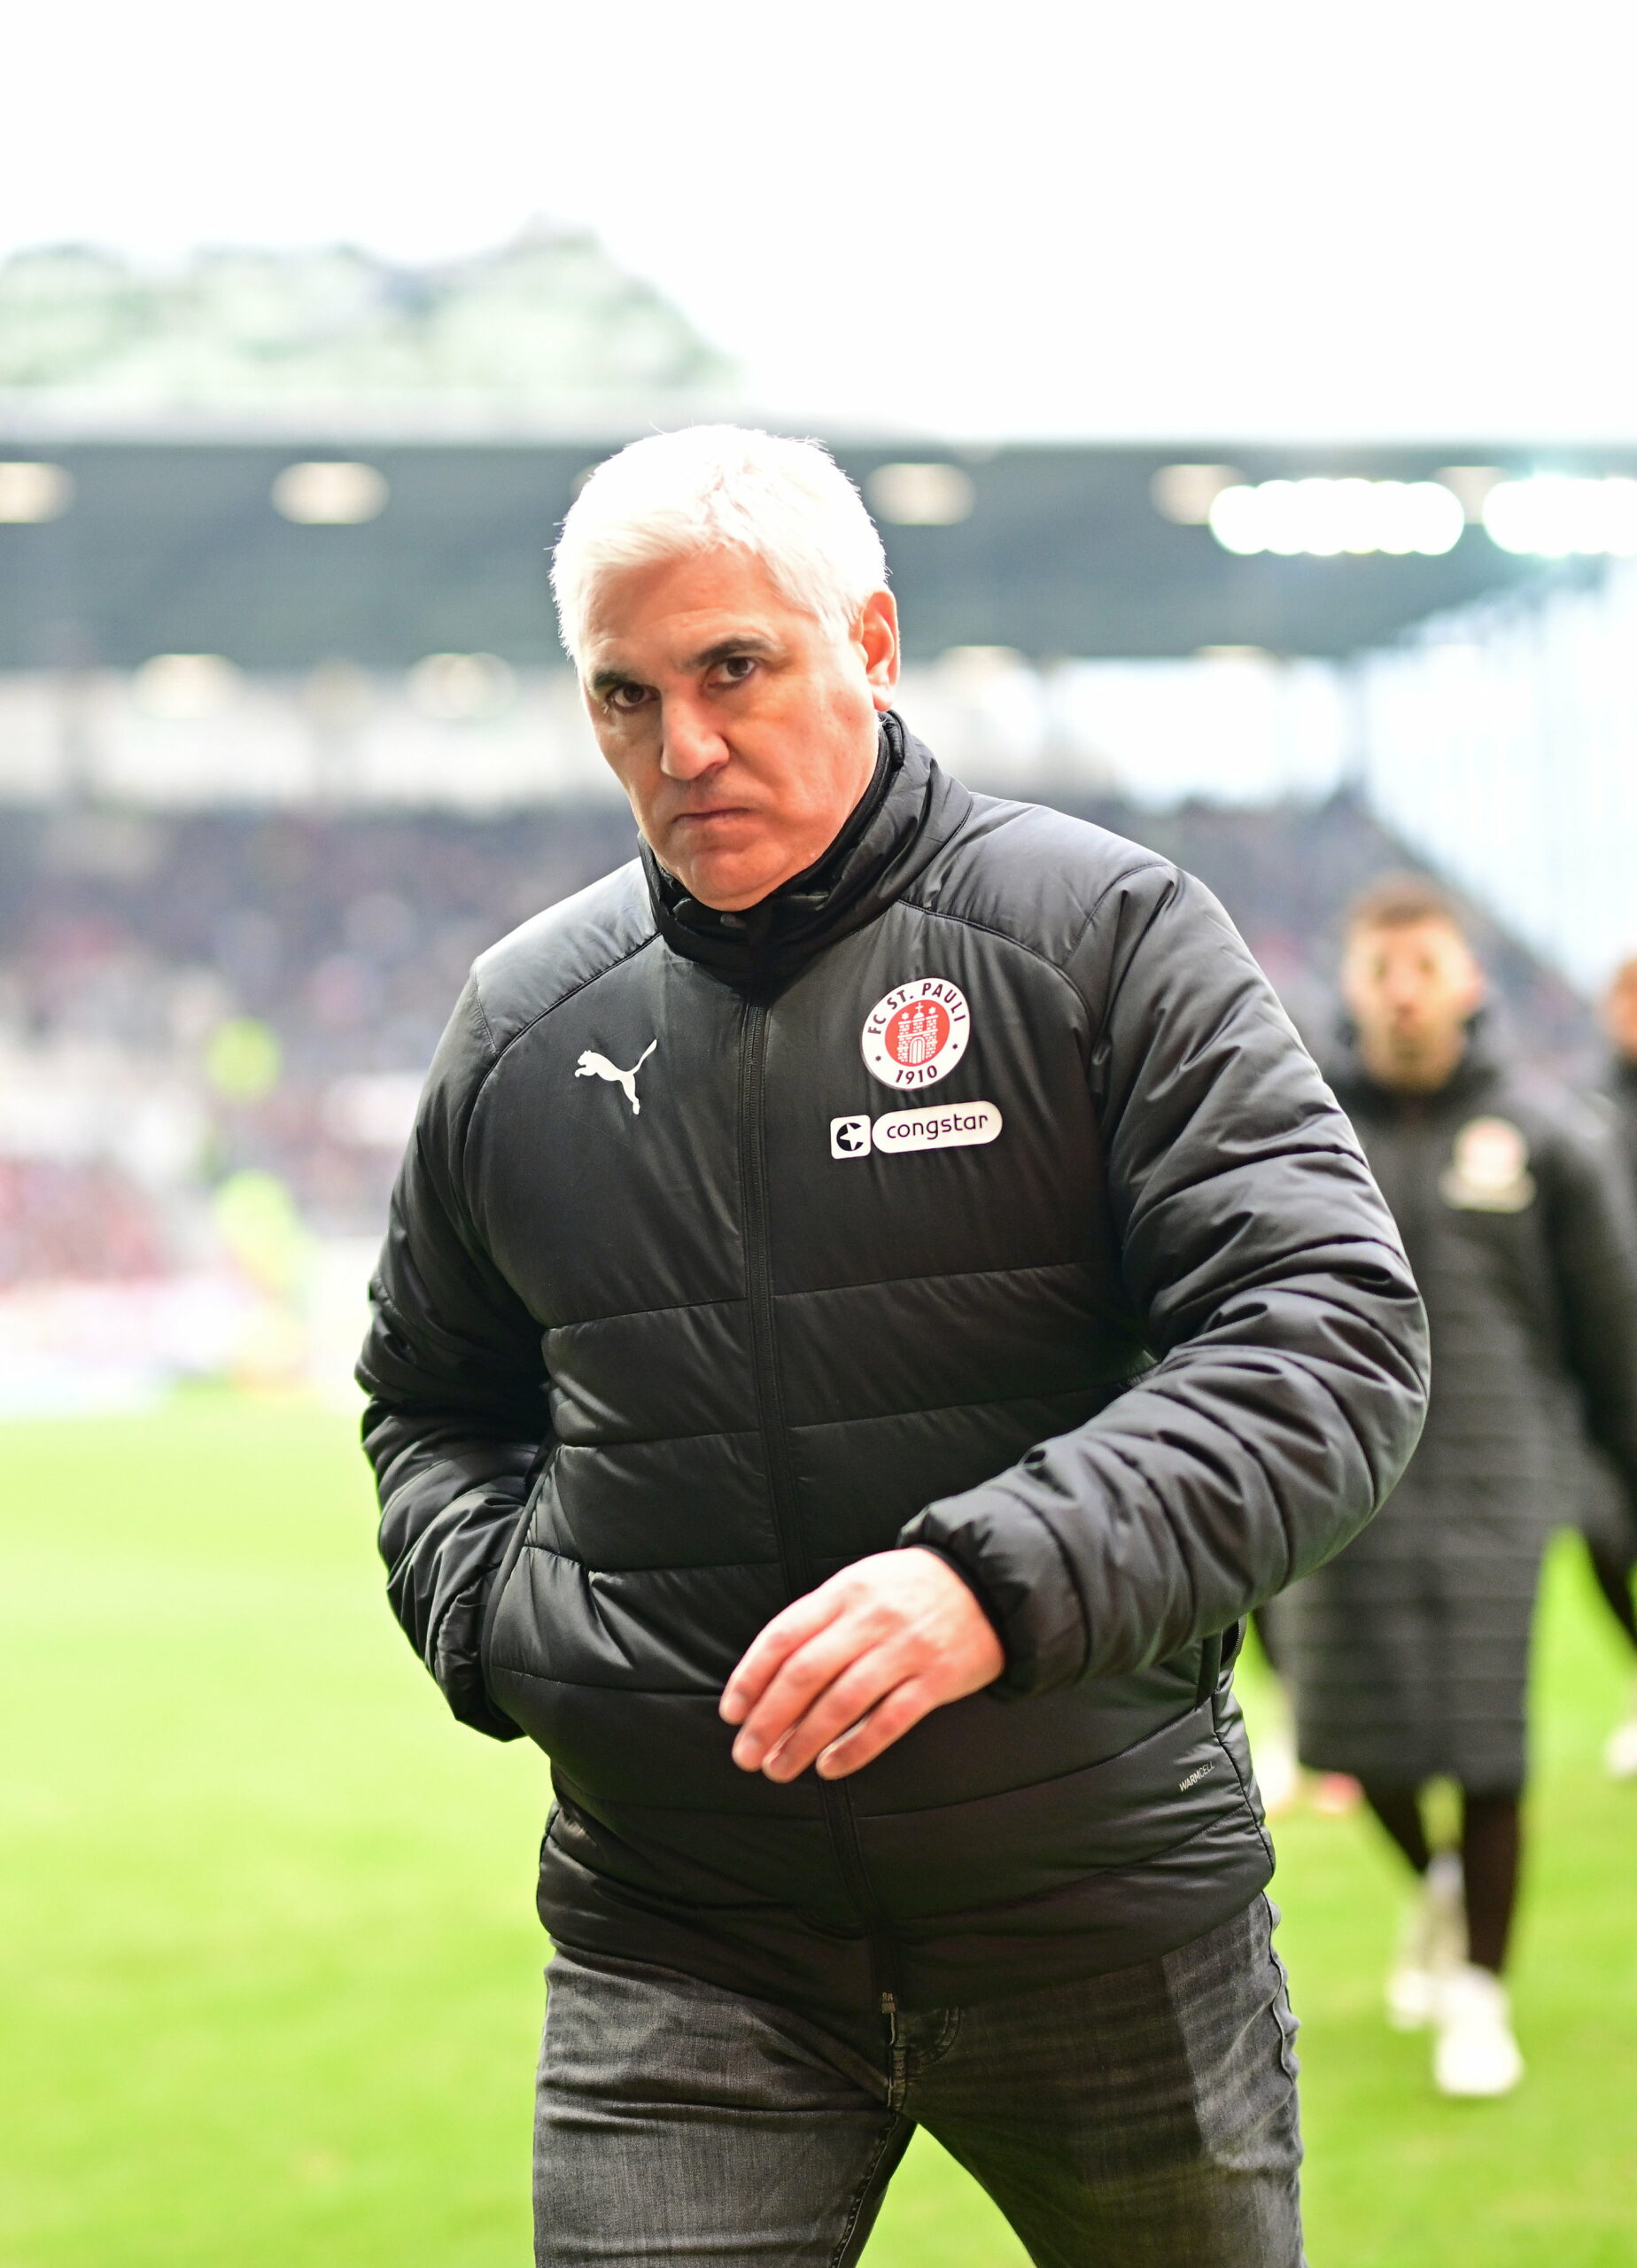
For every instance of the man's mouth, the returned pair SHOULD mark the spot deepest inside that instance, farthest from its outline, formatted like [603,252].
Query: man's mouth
[713,815]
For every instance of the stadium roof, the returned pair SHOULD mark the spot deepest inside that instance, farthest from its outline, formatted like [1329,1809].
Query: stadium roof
[186,540]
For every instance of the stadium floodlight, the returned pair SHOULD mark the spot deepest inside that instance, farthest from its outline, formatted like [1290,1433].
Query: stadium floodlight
[921,495]
[460,688]
[1620,515]
[1184,493]
[1320,518]
[31,491]
[184,688]
[1562,516]
[1237,520]
[329,494]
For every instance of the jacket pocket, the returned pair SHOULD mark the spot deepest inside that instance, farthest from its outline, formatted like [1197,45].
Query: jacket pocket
[504,1573]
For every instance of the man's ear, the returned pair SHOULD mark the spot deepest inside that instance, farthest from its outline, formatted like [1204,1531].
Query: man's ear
[875,634]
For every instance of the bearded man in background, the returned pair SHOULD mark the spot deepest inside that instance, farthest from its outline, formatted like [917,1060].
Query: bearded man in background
[1409,1653]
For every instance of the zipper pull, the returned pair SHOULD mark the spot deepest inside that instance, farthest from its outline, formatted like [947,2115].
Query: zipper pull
[889,2009]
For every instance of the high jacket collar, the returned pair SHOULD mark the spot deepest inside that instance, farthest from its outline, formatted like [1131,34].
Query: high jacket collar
[906,814]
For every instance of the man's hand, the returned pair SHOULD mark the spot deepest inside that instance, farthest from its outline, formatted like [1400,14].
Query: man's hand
[847,1670]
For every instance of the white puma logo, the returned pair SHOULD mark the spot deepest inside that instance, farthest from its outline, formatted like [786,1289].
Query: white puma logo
[592,1065]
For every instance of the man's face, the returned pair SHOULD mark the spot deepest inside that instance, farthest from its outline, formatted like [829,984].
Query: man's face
[1411,986]
[1620,1011]
[743,730]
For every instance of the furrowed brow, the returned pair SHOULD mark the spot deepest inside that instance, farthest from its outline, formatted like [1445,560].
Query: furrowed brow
[724,649]
[603,682]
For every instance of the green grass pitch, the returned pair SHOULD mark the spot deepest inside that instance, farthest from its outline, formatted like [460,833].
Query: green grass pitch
[269,1972]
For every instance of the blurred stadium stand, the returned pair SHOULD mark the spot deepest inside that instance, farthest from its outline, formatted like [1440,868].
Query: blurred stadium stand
[221,993]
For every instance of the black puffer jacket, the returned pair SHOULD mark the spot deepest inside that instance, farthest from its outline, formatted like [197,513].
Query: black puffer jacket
[1603,1505]
[1618,1096]
[1410,1651]
[684,1306]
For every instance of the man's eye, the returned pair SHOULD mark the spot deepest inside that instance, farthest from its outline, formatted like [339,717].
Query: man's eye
[626,697]
[736,668]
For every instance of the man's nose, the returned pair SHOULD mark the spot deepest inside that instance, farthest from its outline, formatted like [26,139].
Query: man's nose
[690,745]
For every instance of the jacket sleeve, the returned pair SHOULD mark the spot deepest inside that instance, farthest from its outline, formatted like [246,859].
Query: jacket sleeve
[1592,1235]
[456,1420]
[1268,1281]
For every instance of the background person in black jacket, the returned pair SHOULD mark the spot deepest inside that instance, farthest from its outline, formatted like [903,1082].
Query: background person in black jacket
[877,1291]
[1409,1652]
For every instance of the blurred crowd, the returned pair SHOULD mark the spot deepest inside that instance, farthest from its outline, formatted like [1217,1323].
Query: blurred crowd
[185,999]
[80,1219]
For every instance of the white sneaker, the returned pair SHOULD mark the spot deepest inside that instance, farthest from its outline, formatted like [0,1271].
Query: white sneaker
[1432,1948]
[1620,1749]
[1476,2053]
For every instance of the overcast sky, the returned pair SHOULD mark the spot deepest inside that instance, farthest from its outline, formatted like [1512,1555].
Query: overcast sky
[1175,220]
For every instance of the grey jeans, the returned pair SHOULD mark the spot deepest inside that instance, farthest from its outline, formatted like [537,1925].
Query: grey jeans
[1143,2119]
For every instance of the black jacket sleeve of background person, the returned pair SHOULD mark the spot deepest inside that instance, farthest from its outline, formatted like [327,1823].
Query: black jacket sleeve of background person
[1591,1228]
[1289,1385]
[457,1420]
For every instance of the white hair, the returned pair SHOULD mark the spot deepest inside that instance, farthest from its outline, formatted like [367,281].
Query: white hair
[786,502]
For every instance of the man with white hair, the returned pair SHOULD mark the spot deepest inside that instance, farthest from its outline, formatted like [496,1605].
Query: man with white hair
[876,1293]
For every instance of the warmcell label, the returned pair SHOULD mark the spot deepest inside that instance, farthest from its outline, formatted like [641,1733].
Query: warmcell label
[952,1126]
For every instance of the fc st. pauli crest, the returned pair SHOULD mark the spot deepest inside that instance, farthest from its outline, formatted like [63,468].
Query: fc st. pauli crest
[917,1033]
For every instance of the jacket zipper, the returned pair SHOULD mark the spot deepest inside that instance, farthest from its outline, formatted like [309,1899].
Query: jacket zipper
[793,1558]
